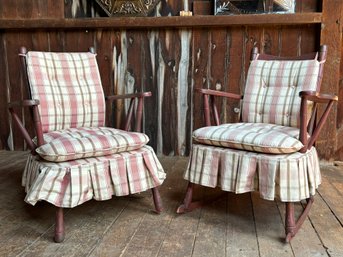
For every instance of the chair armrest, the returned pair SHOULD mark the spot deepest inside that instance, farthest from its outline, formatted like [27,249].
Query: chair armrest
[209,98]
[128,96]
[317,97]
[139,110]
[33,104]
[24,103]
[219,93]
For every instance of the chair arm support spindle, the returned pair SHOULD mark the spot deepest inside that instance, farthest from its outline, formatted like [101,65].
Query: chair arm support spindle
[139,110]
[317,98]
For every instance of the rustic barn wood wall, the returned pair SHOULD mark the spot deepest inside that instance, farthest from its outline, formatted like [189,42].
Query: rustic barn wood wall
[169,62]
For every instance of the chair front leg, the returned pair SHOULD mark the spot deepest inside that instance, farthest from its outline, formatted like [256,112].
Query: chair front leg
[157,200]
[59,226]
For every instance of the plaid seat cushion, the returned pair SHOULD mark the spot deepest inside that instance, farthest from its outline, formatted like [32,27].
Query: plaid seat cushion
[71,144]
[71,183]
[257,137]
[69,89]
[272,90]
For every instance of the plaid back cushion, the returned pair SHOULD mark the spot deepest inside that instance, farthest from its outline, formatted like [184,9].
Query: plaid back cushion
[69,89]
[77,143]
[257,137]
[272,90]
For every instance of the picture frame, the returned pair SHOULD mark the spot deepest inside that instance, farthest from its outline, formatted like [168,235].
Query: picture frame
[232,7]
[128,7]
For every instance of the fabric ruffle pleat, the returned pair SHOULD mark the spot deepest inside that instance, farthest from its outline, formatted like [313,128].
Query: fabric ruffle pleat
[287,177]
[71,183]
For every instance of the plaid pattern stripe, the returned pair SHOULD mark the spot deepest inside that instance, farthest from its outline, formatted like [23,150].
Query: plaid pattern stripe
[69,89]
[272,90]
[76,143]
[257,137]
[68,184]
[288,177]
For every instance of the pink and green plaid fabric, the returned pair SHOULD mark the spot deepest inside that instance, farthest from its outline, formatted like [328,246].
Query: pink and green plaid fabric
[71,183]
[77,143]
[257,137]
[288,177]
[272,90]
[69,89]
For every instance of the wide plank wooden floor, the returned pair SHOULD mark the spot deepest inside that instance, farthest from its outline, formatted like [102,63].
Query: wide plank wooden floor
[234,225]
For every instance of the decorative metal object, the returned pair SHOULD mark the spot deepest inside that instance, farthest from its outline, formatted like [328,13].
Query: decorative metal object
[227,7]
[127,8]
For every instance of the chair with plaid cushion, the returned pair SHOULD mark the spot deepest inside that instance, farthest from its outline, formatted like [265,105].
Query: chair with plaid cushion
[74,157]
[272,149]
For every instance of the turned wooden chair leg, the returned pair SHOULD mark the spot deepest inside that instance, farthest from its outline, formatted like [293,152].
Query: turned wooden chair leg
[292,226]
[59,226]
[157,200]
[290,222]
[188,199]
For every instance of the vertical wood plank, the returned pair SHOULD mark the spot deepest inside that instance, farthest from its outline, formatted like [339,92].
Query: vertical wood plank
[169,54]
[147,81]
[200,64]
[183,90]
[217,67]
[104,50]
[331,35]
[4,115]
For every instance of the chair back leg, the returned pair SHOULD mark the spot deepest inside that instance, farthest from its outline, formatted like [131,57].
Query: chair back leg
[59,226]
[157,200]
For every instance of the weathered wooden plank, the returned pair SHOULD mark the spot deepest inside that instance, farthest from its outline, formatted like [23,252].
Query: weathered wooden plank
[212,230]
[200,64]
[307,6]
[332,191]
[241,238]
[217,66]
[328,228]
[164,22]
[78,41]
[290,41]
[55,8]
[14,88]
[271,37]
[309,39]
[168,57]
[236,42]
[331,35]
[105,40]
[152,231]
[306,243]
[269,228]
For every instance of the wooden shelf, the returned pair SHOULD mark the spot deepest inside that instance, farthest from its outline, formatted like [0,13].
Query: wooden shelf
[164,22]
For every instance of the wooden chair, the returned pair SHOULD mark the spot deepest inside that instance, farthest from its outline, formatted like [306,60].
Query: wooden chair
[74,157]
[272,149]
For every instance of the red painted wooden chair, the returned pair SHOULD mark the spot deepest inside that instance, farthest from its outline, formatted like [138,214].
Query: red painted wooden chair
[272,149]
[74,157]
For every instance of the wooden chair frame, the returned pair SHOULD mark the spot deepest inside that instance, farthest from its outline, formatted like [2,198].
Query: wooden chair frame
[33,106]
[313,128]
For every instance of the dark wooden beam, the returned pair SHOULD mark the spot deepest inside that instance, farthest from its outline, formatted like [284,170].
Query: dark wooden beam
[164,22]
